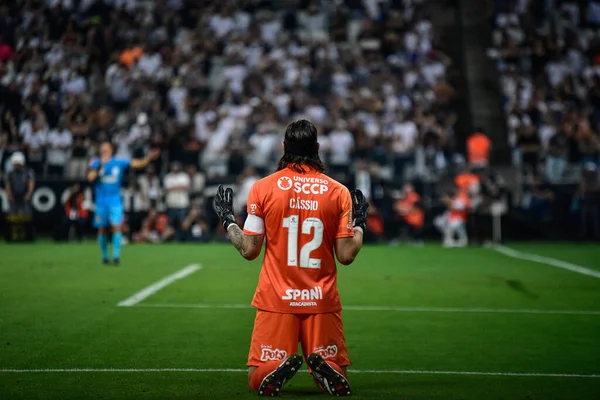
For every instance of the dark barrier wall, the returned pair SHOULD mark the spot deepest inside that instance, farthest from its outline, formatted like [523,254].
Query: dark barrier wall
[47,202]
[49,197]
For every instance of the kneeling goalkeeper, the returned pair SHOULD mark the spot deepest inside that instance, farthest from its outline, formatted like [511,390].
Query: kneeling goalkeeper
[308,220]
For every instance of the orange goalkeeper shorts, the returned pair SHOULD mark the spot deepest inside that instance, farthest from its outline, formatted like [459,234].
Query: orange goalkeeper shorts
[276,337]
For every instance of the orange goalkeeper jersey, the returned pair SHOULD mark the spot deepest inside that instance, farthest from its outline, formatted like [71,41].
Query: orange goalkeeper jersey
[301,216]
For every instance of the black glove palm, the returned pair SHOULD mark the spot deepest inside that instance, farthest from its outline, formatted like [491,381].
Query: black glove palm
[360,209]
[223,205]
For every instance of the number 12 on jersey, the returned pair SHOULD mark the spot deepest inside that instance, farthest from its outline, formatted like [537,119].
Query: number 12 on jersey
[292,223]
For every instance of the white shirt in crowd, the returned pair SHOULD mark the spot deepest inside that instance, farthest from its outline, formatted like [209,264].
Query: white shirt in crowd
[341,143]
[201,120]
[76,84]
[149,64]
[404,136]
[55,55]
[312,24]
[128,5]
[59,142]
[139,134]
[36,140]
[218,139]
[235,75]
[117,81]
[197,183]
[545,132]
[135,200]
[341,80]
[281,102]
[316,113]
[252,54]
[150,188]
[177,96]
[264,147]
[269,30]
[25,128]
[177,185]
[121,141]
[433,71]
[221,25]
[363,182]
[557,71]
[243,191]
[411,77]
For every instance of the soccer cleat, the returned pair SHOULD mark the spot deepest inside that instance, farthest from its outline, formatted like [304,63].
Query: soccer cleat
[273,383]
[330,380]
[116,262]
[105,261]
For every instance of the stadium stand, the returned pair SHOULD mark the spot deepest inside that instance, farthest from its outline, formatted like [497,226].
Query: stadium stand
[214,84]
[547,55]
[548,60]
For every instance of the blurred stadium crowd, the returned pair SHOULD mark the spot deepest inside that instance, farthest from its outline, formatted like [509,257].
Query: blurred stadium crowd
[549,58]
[213,84]
[548,54]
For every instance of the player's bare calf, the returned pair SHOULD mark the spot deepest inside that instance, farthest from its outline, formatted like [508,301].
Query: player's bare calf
[273,383]
[328,378]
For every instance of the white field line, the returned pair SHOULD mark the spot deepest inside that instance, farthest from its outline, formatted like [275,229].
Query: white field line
[396,309]
[352,371]
[161,284]
[546,260]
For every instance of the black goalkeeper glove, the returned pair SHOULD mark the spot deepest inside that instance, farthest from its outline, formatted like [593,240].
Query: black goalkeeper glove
[360,209]
[223,205]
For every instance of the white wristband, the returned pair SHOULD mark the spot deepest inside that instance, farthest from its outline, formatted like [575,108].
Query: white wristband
[230,225]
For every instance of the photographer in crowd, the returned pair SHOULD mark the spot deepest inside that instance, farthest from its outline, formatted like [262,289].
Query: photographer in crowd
[75,212]
[485,206]
[195,227]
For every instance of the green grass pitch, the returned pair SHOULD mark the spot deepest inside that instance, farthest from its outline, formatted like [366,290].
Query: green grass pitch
[413,314]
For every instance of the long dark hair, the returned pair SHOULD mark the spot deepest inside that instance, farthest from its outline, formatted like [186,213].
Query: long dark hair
[301,148]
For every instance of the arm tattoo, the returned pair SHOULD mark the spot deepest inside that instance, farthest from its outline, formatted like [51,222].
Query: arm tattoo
[237,238]
[244,244]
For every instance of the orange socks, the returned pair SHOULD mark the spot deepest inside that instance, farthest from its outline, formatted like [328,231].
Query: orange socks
[337,368]
[259,373]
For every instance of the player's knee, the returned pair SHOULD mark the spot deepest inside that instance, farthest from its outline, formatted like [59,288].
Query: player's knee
[116,228]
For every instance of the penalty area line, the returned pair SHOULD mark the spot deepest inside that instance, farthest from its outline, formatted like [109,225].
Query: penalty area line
[553,262]
[352,371]
[392,309]
[159,285]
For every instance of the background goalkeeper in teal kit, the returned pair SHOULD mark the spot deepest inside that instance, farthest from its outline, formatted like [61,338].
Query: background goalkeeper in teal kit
[106,174]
